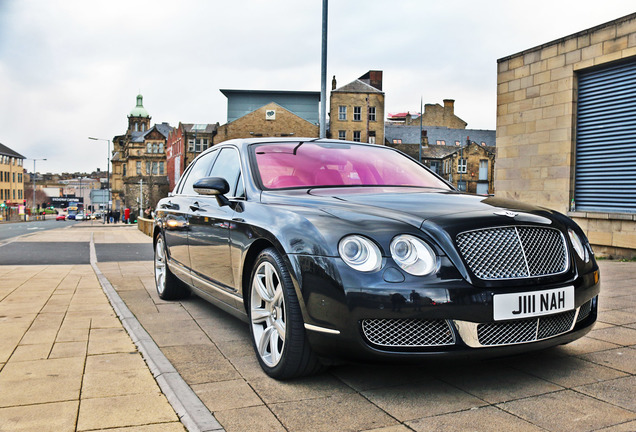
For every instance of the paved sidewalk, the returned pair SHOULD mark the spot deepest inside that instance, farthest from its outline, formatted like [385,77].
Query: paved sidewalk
[66,363]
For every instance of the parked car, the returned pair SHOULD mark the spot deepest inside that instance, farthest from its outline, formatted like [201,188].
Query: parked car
[347,251]
[60,216]
[80,216]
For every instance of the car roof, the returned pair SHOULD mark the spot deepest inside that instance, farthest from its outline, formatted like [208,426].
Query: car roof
[245,142]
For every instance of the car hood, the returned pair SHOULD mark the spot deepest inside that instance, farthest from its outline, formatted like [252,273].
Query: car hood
[415,206]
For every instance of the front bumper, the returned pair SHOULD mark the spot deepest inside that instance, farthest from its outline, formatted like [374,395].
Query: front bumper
[392,315]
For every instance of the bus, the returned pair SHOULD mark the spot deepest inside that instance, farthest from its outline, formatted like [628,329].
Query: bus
[71,211]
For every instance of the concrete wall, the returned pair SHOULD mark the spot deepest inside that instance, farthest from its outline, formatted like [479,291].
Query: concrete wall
[536,125]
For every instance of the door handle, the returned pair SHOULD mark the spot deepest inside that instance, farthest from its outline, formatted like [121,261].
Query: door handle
[170,206]
[195,206]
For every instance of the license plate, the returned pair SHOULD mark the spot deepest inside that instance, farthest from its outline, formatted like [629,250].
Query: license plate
[533,304]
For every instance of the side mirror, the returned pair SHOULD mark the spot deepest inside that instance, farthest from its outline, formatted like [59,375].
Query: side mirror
[211,186]
[215,186]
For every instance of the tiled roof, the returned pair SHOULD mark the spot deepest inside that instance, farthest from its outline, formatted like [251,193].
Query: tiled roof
[411,135]
[202,128]
[357,86]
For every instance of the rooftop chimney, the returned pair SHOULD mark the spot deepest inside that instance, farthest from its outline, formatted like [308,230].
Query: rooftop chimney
[333,83]
[373,78]
[449,105]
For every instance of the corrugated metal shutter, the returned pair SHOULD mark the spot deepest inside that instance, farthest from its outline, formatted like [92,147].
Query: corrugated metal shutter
[606,140]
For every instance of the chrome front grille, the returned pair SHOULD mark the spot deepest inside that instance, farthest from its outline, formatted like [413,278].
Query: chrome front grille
[407,333]
[526,330]
[514,252]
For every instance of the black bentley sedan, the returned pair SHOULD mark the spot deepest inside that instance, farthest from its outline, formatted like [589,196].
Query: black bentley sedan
[335,250]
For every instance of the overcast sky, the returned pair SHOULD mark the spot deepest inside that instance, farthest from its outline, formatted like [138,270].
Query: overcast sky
[70,69]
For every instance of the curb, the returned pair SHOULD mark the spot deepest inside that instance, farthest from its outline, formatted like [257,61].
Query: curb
[194,415]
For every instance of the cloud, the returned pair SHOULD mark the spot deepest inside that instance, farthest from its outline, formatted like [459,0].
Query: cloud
[72,69]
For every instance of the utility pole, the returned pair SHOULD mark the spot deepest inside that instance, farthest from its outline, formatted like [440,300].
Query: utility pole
[323,73]
[141,195]
[33,203]
[421,128]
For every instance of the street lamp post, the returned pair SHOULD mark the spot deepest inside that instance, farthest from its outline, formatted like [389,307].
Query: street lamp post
[33,203]
[107,176]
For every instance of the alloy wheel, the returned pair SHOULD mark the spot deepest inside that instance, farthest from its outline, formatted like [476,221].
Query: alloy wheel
[268,314]
[160,266]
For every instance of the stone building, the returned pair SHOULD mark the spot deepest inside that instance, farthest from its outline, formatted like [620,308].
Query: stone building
[270,120]
[139,177]
[357,109]
[566,128]
[185,142]
[269,113]
[469,166]
[434,115]
[11,177]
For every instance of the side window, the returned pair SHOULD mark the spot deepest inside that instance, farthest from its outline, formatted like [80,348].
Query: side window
[199,170]
[228,166]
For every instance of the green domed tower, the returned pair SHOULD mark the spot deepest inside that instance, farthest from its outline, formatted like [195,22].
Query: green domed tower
[139,119]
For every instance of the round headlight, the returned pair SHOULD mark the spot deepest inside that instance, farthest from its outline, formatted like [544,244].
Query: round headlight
[360,253]
[578,245]
[413,255]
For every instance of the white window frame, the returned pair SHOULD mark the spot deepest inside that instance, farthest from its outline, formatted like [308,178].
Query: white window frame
[342,113]
[462,165]
[357,113]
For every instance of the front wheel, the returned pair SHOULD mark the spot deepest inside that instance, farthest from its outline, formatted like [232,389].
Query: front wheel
[168,286]
[276,323]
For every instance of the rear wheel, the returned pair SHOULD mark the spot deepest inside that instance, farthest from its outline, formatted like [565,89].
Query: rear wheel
[168,286]
[276,323]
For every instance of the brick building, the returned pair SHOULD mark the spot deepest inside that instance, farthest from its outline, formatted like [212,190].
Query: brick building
[357,109]
[139,177]
[185,142]
[566,128]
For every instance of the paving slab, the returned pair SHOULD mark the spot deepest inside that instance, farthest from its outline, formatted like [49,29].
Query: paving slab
[568,411]
[479,419]
[57,324]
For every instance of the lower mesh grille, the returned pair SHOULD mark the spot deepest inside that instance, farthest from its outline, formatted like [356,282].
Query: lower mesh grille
[407,333]
[527,330]
[585,311]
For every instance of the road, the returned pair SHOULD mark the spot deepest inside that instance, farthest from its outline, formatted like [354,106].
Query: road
[19,247]
[10,230]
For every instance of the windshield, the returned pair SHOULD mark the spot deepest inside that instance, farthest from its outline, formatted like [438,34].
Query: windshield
[314,164]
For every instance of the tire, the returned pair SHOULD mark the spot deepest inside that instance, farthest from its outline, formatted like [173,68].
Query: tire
[167,284]
[276,323]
